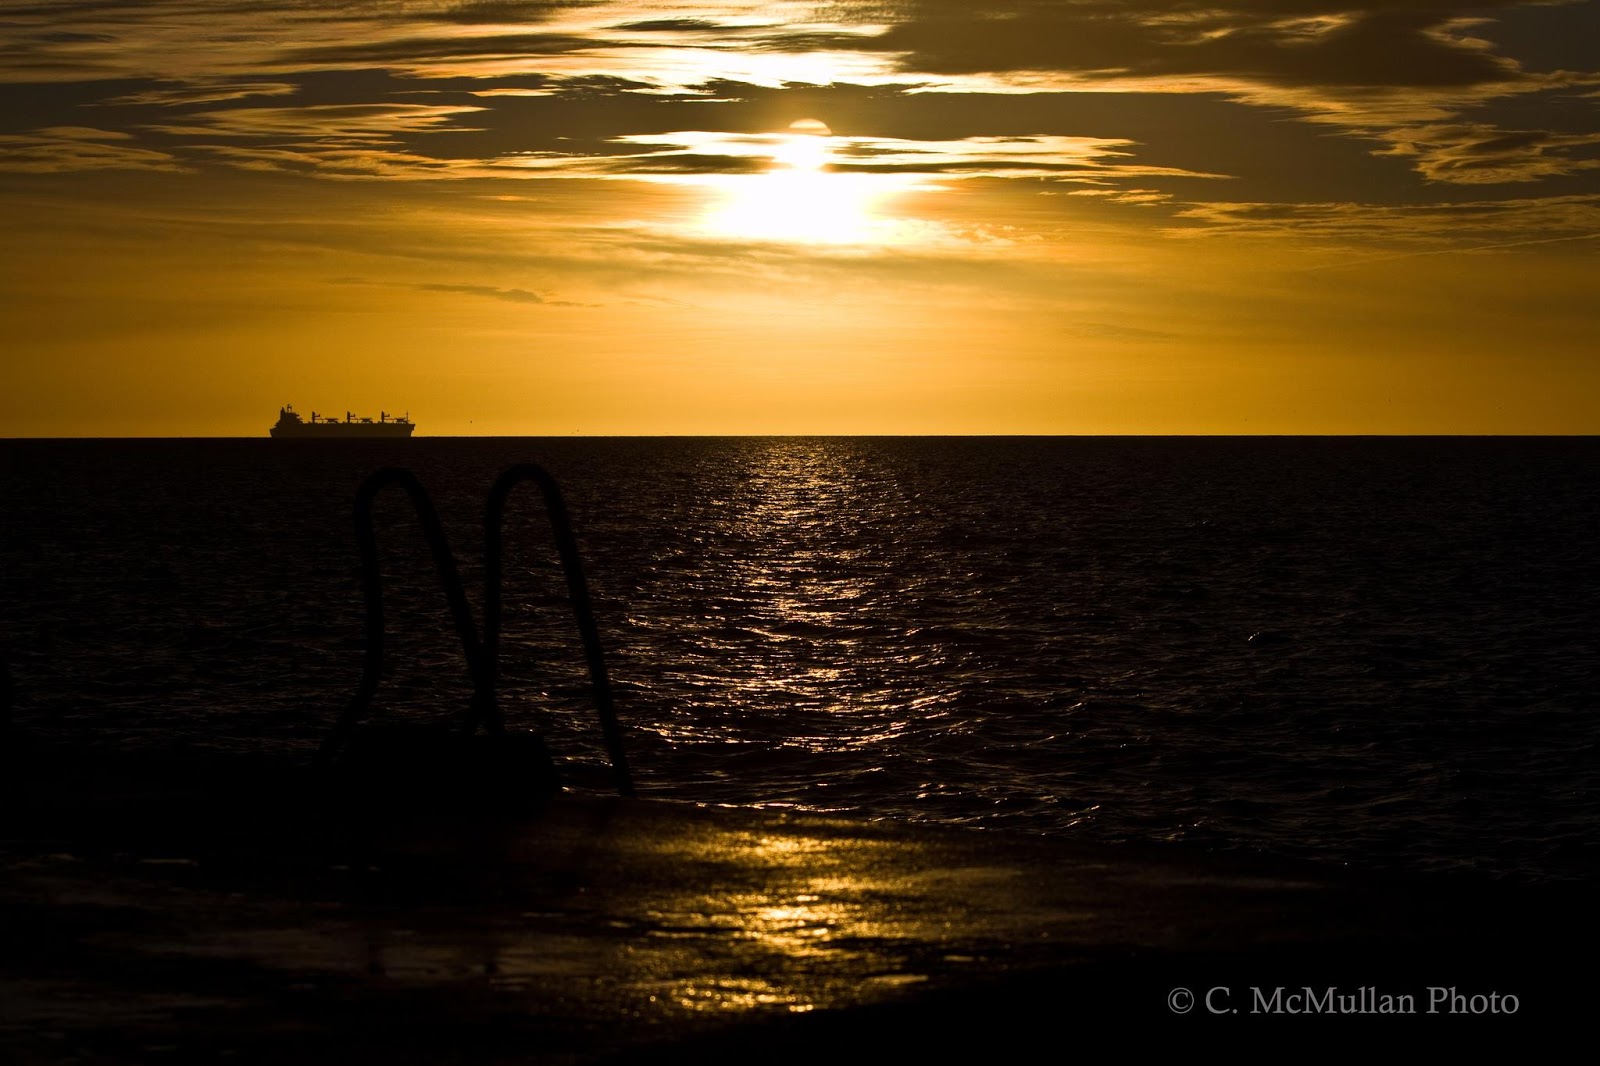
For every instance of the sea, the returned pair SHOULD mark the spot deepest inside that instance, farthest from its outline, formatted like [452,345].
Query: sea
[1372,653]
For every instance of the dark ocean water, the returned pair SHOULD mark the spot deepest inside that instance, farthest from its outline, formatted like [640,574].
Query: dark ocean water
[1380,652]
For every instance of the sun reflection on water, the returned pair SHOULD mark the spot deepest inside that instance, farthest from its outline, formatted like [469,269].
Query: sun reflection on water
[791,668]
[811,908]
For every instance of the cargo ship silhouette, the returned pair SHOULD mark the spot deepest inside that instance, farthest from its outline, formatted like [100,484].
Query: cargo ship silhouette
[387,427]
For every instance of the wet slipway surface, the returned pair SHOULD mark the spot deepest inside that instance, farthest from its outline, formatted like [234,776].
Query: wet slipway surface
[220,921]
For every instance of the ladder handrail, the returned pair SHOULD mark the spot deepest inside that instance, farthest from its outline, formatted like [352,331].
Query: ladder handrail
[482,657]
[577,592]
[372,593]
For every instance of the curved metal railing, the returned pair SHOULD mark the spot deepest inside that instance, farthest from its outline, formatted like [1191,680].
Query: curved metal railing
[372,593]
[577,592]
[482,657]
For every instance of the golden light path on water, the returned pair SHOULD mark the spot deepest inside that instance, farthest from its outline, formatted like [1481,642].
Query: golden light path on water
[798,921]
[802,508]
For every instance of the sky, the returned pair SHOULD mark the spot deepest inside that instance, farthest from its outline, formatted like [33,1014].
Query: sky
[920,216]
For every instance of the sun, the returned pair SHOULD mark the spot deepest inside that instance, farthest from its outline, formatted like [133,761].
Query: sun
[800,196]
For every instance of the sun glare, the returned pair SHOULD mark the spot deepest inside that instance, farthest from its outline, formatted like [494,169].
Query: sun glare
[799,198]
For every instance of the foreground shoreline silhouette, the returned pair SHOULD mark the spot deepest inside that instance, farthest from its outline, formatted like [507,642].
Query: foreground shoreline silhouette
[236,914]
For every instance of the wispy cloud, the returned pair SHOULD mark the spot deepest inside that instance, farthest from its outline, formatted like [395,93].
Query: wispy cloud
[1476,154]
[1479,223]
[204,92]
[62,149]
[519,296]
[694,152]
[343,123]
[330,161]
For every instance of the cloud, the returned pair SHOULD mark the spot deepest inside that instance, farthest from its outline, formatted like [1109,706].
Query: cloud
[1474,154]
[1485,223]
[673,25]
[521,296]
[337,122]
[169,40]
[1038,155]
[83,133]
[362,142]
[496,12]
[204,92]
[460,55]
[711,152]
[514,91]
[604,88]
[1396,46]
[1369,67]
[330,161]
[1137,197]
[59,150]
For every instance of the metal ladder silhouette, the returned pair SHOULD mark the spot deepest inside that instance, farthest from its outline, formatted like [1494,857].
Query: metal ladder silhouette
[482,657]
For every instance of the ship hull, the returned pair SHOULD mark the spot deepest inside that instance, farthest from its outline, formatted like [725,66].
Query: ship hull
[345,431]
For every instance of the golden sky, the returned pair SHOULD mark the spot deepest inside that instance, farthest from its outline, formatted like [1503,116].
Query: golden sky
[918,216]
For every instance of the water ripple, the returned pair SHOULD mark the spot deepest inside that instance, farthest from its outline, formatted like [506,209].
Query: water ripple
[1371,651]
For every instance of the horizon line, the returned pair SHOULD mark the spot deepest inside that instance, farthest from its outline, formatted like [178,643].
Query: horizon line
[804,436]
